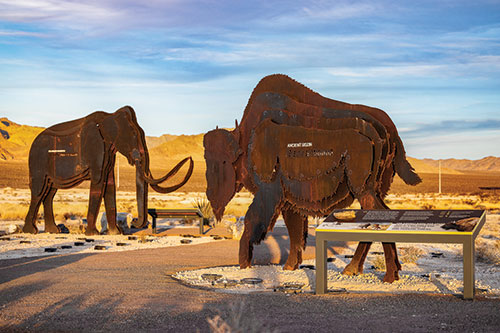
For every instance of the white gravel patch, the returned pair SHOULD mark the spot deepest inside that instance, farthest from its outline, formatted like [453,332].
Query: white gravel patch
[428,275]
[29,245]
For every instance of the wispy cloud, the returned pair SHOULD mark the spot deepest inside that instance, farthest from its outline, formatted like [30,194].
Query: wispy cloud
[428,63]
[20,33]
[452,126]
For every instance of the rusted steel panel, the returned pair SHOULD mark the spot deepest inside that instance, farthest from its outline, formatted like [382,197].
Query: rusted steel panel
[66,154]
[338,152]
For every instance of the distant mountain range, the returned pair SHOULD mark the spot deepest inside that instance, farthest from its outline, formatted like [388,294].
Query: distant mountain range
[15,142]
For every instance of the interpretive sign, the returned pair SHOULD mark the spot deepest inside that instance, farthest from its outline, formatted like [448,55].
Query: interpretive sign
[403,220]
[412,226]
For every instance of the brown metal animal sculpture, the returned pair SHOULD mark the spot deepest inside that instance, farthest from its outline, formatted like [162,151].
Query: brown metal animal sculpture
[66,154]
[305,180]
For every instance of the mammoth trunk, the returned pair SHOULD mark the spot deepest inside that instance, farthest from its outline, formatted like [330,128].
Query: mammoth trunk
[142,199]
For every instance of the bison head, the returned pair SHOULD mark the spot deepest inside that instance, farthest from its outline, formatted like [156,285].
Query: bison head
[221,152]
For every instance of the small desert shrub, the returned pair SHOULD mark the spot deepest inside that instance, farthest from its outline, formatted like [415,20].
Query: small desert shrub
[378,263]
[406,255]
[240,320]
[410,255]
[202,203]
[76,228]
[489,252]
[428,205]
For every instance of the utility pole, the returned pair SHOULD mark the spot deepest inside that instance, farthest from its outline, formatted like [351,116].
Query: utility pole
[117,172]
[439,176]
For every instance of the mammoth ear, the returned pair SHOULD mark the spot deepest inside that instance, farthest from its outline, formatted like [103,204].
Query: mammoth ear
[109,128]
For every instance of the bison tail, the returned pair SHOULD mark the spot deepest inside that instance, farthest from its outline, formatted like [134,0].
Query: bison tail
[403,167]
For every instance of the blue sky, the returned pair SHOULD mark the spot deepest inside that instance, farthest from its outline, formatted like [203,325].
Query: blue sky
[187,66]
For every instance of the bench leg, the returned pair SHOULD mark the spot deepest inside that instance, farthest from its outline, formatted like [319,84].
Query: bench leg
[469,281]
[201,225]
[153,225]
[321,268]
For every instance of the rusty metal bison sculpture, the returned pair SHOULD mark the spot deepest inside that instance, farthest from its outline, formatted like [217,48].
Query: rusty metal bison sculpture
[302,154]
[66,154]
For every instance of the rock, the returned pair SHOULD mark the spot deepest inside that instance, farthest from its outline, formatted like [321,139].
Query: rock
[13,229]
[211,277]
[251,281]
[235,226]
[63,228]
[123,221]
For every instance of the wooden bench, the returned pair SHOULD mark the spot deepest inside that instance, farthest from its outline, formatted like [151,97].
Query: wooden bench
[186,213]
[408,226]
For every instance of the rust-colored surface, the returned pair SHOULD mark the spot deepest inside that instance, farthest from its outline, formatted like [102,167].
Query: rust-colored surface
[302,154]
[66,154]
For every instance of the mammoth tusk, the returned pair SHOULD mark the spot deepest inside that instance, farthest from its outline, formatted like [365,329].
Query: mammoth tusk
[169,189]
[148,177]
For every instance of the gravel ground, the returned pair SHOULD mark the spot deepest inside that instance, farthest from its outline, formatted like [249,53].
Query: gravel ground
[132,291]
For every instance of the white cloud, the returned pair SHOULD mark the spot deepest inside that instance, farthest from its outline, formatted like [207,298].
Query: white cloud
[339,10]
[18,33]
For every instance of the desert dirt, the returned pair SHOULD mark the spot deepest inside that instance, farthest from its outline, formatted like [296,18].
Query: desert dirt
[157,284]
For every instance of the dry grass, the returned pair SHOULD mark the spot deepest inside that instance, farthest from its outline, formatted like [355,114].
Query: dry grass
[488,252]
[406,255]
[238,321]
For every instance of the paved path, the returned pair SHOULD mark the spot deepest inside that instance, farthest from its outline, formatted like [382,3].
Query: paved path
[131,291]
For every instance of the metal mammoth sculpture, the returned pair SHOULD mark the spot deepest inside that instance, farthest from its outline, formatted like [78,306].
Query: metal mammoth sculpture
[302,154]
[66,154]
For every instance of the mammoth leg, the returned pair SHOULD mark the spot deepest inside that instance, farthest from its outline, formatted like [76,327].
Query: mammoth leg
[297,231]
[110,204]
[95,198]
[48,212]
[260,215]
[30,220]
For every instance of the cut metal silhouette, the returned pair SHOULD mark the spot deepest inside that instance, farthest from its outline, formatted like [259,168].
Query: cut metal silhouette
[302,154]
[66,154]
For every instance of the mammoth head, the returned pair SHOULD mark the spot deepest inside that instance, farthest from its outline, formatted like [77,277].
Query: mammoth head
[121,128]
[221,153]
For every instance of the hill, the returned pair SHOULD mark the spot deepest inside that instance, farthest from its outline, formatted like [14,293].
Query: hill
[489,163]
[15,139]
[155,141]
[422,167]
[178,148]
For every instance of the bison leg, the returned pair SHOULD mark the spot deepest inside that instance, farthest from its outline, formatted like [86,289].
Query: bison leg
[391,264]
[297,231]
[372,201]
[48,212]
[355,267]
[262,212]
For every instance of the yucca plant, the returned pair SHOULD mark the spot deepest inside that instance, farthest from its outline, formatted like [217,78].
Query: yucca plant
[202,203]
